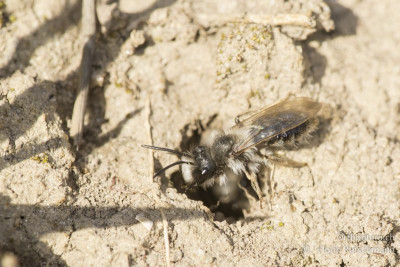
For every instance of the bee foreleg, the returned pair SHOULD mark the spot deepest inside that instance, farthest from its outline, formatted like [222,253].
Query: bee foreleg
[246,192]
[254,184]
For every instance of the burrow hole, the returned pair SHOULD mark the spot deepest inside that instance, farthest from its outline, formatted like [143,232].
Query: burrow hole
[227,202]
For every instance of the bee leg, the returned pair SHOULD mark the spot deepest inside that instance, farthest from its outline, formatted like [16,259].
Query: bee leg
[283,161]
[246,192]
[245,116]
[272,184]
[254,183]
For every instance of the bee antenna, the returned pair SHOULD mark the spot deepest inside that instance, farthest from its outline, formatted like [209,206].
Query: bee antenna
[171,165]
[165,149]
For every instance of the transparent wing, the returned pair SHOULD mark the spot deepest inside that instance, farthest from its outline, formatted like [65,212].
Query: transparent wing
[274,120]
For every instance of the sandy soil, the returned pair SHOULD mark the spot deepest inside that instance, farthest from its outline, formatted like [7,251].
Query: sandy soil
[98,206]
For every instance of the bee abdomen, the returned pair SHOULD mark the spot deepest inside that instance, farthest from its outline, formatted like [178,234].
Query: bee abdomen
[294,136]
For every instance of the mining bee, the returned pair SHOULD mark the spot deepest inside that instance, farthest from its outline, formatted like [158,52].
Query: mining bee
[249,145]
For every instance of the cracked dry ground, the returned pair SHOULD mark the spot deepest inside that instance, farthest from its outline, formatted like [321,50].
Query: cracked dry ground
[95,206]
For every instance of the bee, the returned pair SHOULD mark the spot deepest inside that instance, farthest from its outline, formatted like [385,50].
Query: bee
[249,145]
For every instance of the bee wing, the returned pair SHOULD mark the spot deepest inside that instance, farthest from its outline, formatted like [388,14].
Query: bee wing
[274,120]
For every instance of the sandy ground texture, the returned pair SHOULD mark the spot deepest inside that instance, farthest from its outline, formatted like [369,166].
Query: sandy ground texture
[200,63]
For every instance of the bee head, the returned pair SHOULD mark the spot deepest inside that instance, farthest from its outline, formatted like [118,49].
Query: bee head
[197,166]
[202,169]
